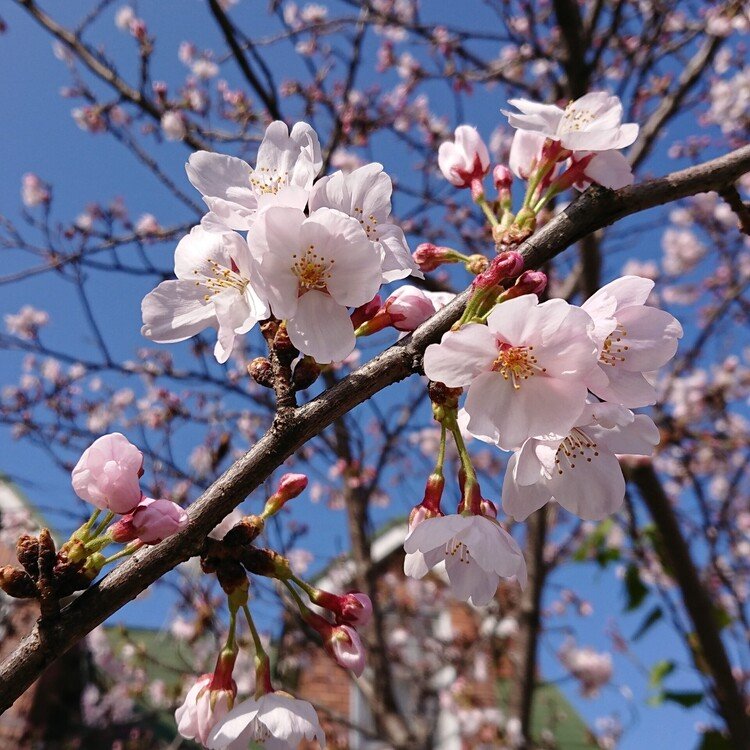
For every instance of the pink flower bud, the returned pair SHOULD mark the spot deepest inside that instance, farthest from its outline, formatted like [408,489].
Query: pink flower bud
[488,508]
[356,609]
[346,648]
[107,474]
[290,486]
[366,312]
[429,257]
[151,522]
[464,160]
[529,282]
[408,308]
[506,265]
[502,177]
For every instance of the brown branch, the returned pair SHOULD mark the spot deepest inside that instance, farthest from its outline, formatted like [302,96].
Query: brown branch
[711,653]
[268,98]
[593,210]
[740,208]
[102,71]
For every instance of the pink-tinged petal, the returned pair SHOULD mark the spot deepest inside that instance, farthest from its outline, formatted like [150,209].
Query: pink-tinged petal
[211,174]
[434,533]
[415,565]
[471,143]
[520,501]
[322,328]
[396,261]
[610,169]
[639,438]
[275,242]
[224,215]
[470,581]
[515,321]
[525,150]
[651,338]
[175,311]
[330,191]
[628,291]
[370,190]
[568,347]
[461,355]
[605,415]
[542,118]
[236,725]
[196,251]
[630,389]
[591,490]
[509,416]
[289,196]
[527,469]
[595,140]
[354,267]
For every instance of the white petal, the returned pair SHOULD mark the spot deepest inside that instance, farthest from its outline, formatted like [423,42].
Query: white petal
[520,501]
[175,311]
[434,533]
[322,328]
[461,355]
[610,169]
[592,489]
[211,174]
[638,438]
[630,389]
[651,337]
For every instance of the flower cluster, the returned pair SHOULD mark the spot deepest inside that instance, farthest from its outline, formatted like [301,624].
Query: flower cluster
[312,249]
[552,382]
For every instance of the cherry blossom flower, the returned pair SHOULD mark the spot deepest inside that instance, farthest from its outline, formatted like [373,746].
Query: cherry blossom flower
[107,474]
[151,522]
[365,195]
[202,709]
[581,472]
[591,123]
[34,192]
[593,669]
[235,193]
[173,125]
[465,159]
[526,369]
[214,288]
[276,720]
[477,552]
[312,268]
[632,338]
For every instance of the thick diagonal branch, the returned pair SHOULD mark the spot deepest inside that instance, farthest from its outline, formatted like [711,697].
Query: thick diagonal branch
[593,210]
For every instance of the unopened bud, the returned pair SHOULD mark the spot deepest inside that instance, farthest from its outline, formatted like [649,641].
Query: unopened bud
[290,486]
[477,190]
[441,395]
[17,583]
[306,372]
[429,257]
[244,532]
[502,177]
[506,265]
[529,282]
[261,371]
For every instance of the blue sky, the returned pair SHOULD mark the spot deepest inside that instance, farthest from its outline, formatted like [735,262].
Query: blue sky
[41,137]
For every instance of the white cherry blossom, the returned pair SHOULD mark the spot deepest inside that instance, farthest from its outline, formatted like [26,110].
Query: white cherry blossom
[591,123]
[464,159]
[215,287]
[526,369]
[633,339]
[365,195]
[236,193]
[312,269]
[581,471]
[276,721]
[476,549]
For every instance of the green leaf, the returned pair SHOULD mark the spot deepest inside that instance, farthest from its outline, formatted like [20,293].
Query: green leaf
[659,671]
[688,699]
[714,740]
[636,591]
[648,621]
